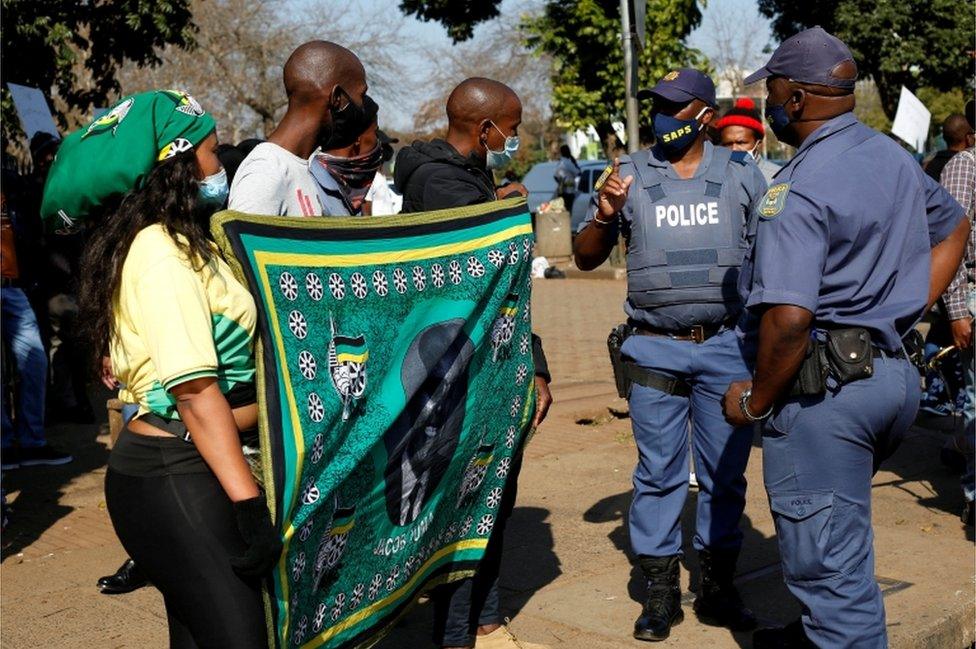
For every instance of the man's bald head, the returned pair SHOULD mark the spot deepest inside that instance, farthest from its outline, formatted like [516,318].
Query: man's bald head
[477,99]
[316,67]
[955,130]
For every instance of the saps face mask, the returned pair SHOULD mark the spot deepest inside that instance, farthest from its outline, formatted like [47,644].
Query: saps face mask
[501,159]
[675,134]
[778,120]
[214,190]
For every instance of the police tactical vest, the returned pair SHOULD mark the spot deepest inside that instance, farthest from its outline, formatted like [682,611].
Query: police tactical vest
[686,238]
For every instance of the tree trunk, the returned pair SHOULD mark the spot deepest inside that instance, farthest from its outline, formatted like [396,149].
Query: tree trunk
[890,91]
[609,139]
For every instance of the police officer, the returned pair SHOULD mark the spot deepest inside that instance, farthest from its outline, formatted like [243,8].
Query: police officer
[854,241]
[683,207]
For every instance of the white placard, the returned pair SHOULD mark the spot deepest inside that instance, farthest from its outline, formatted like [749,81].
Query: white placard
[912,120]
[32,109]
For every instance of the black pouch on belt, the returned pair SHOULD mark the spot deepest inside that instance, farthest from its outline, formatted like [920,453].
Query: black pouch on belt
[811,380]
[850,354]
[614,342]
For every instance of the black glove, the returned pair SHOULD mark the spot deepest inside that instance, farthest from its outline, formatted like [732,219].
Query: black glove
[263,543]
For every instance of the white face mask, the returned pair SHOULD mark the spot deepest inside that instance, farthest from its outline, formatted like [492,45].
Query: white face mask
[501,159]
[754,151]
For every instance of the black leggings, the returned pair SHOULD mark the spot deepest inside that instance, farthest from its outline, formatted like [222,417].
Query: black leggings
[180,530]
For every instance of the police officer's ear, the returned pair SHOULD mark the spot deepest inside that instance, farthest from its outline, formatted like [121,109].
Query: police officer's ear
[794,105]
[708,116]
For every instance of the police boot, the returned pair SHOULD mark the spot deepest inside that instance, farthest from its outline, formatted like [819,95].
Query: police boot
[718,602]
[662,609]
[792,636]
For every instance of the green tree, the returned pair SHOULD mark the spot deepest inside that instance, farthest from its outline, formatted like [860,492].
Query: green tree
[582,38]
[941,105]
[459,17]
[895,42]
[71,50]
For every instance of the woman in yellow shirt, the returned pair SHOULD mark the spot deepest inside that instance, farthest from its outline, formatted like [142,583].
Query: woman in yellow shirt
[179,328]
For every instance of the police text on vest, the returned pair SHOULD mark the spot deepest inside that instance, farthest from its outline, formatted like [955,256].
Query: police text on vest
[695,214]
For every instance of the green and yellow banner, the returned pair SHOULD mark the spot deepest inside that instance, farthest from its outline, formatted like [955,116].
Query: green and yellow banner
[395,382]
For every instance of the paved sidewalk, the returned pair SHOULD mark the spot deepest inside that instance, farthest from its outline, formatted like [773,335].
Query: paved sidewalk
[567,579]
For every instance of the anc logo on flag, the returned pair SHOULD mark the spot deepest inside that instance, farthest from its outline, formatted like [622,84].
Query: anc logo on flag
[179,145]
[347,368]
[185,103]
[504,325]
[111,119]
[332,545]
[474,473]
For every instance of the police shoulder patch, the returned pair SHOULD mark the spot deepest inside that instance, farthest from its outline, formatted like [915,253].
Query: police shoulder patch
[774,201]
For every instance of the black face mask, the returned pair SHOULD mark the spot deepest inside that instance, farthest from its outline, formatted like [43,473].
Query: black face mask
[349,122]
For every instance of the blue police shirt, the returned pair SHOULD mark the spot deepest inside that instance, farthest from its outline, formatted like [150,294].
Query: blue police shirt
[745,182]
[845,232]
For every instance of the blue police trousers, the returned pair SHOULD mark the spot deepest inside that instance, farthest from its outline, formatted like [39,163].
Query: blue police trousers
[819,454]
[661,424]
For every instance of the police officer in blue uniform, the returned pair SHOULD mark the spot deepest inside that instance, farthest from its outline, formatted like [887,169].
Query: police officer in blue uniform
[854,242]
[684,209]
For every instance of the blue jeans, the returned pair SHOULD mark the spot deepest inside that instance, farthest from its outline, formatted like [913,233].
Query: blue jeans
[969,477]
[819,454]
[462,606]
[23,337]
[661,422]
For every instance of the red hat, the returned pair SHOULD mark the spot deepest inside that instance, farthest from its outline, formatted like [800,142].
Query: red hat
[744,113]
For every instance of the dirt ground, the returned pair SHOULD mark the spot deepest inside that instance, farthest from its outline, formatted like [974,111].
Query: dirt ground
[567,579]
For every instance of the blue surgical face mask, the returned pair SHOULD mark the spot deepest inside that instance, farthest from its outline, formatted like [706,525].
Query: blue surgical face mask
[673,134]
[778,120]
[214,190]
[501,159]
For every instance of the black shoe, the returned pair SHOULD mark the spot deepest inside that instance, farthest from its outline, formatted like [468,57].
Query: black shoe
[792,636]
[125,580]
[10,458]
[718,602]
[43,455]
[967,513]
[662,609]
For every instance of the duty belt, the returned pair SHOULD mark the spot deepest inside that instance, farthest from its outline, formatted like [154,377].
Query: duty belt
[695,333]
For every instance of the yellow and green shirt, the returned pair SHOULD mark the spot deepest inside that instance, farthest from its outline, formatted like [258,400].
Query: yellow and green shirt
[174,323]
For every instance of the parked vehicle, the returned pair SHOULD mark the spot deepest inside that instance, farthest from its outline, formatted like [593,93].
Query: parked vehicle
[590,171]
[541,183]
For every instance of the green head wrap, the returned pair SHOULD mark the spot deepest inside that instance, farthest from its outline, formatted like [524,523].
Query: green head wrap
[113,154]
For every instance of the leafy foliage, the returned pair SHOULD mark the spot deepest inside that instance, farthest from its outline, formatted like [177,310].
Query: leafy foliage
[582,37]
[897,42]
[240,46]
[459,17]
[71,49]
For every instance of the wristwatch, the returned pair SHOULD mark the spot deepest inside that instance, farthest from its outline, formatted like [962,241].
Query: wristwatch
[744,407]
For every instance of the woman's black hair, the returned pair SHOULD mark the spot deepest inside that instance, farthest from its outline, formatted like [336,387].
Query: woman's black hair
[566,152]
[168,197]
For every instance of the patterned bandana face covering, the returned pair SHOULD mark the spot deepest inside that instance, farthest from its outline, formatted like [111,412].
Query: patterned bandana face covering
[354,175]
